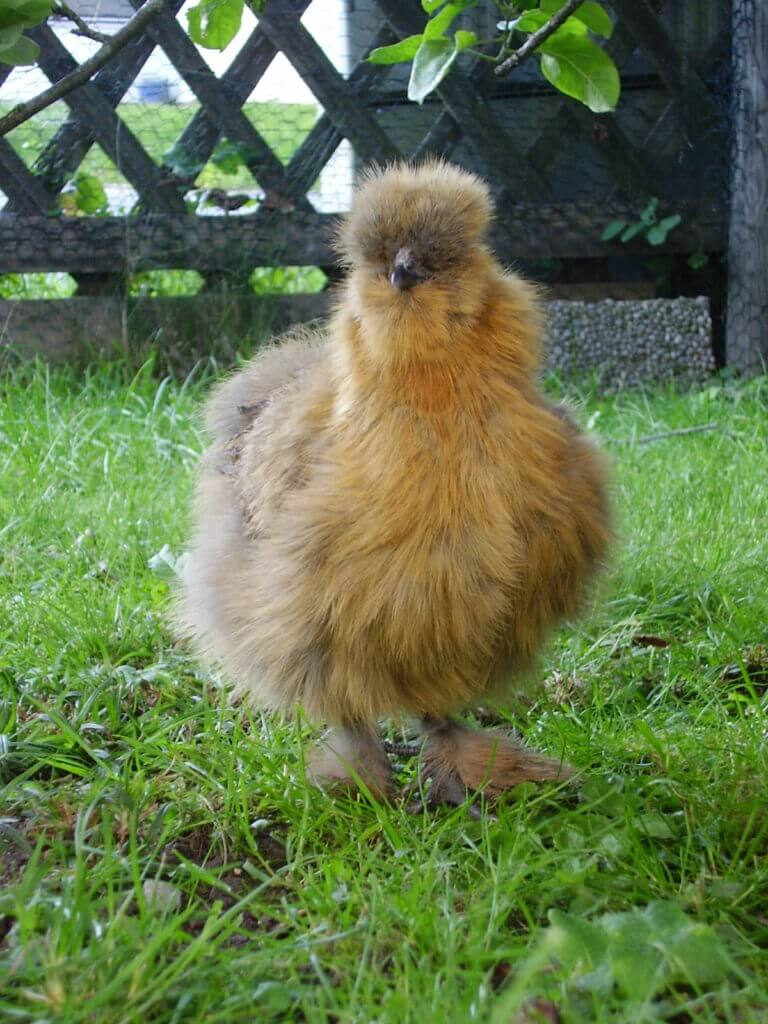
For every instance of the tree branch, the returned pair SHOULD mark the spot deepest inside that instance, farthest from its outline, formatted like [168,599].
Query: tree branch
[63,10]
[87,69]
[536,38]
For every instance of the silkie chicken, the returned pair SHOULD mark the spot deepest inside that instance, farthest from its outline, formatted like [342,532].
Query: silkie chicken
[392,517]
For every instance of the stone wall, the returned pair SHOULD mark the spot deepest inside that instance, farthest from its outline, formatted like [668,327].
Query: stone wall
[617,343]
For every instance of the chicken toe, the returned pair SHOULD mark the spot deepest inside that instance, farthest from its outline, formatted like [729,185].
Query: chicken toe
[348,756]
[459,760]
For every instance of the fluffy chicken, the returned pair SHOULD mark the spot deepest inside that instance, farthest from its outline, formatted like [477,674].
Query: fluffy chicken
[392,517]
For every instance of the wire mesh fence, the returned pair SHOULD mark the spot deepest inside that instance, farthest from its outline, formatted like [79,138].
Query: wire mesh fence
[179,169]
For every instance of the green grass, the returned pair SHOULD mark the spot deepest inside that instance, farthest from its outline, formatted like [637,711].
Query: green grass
[279,280]
[637,895]
[158,126]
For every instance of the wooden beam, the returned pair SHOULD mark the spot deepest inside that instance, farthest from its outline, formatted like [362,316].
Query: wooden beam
[265,167]
[176,331]
[680,78]
[104,244]
[747,317]
[72,141]
[110,131]
[21,186]
[202,133]
[324,138]
[343,106]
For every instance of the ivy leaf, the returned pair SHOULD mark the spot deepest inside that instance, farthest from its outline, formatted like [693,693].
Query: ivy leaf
[579,68]
[397,53]
[657,235]
[433,61]
[612,229]
[593,15]
[633,229]
[698,259]
[184,163]
[21,53]
[215,23]
[648,216]
[230,156]
[90,196]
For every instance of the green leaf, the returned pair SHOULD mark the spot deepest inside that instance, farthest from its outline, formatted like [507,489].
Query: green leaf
[648,216]
[464,39]
[533,20]
[33,11]
[273,996]
[430,6]
[612,229]
[229,156]
[9,37]
[633,229]
[636,964]
[574,941]
[215,23]
[182,161]
[593,15]
[698,259]
[397,53]
[25,13]
[433,61]
[90,196]
[23,52]
[438,25]
[655,824]
[699,956]
[579,68]
[657,235]
[431,64]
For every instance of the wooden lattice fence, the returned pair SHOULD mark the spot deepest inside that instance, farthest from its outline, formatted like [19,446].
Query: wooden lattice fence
[559,172]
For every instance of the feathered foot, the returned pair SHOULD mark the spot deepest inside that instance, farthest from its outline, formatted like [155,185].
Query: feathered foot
[460,760]
[347,756]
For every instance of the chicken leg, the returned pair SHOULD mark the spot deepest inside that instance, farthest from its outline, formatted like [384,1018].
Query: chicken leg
[348,755]
[460,760]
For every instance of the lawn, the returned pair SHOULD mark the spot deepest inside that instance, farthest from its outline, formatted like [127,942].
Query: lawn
[164,859]
[284,127]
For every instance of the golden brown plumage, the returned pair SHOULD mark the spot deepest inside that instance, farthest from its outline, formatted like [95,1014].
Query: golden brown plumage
[391,516]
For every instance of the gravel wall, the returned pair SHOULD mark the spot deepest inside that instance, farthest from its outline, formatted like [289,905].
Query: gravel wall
[623,344]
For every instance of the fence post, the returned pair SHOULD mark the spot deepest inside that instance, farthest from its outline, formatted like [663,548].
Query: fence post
[747,317]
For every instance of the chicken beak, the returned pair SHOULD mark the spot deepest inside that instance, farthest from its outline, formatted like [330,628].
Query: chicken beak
[404,273]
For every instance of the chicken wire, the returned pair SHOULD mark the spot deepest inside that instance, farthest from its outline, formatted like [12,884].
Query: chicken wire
[160,103]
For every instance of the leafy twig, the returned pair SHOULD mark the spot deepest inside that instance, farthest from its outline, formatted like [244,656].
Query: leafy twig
[83,28]
[535,40]
[86,70]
